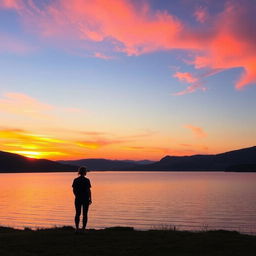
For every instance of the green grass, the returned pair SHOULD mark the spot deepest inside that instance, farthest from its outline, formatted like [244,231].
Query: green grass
[124,241]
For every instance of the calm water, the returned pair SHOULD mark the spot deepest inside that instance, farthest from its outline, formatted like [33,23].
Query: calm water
[143,200]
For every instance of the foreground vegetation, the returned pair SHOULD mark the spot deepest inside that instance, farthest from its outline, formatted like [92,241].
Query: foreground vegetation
[124,241]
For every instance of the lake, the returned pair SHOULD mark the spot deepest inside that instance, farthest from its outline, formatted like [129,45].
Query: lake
[144,200]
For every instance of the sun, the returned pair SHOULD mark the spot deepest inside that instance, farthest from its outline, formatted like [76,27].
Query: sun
[30,154]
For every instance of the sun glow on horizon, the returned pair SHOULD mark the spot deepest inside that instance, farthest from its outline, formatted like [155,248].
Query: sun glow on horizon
[29,154]
[37,154]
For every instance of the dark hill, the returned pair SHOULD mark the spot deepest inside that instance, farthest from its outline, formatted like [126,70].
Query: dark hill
[16,163]
[219,162]
[100,164]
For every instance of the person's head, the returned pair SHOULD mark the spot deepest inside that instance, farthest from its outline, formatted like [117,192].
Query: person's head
[82,171]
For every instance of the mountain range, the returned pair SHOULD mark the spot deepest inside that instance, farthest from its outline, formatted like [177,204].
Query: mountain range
[100,164]
[236,160]
[242,160]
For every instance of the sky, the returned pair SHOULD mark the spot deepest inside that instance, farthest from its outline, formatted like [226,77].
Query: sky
[126,79]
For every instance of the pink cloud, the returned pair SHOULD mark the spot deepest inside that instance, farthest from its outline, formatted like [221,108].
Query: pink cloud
[195,82]
[102,56]
[225,41]
[233,42]
[10,4]
[201,14]
[130,29]
[197,131]
[190,89]
[186,77]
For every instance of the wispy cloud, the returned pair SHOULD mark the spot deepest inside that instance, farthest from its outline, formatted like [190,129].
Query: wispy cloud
[97,143]
[147,149]
[31,144]
[25,105]
[186,77]
[22,104]
[102,56]
[190,89]
[39,145]
[197,131]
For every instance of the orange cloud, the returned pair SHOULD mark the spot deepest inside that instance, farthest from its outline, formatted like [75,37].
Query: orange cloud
[25,105]
[197,131]
[148,149]
[89,145]
[94,144]
[22,104]
[30,144]
[40,145]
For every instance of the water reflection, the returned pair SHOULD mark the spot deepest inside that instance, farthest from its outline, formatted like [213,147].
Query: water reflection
[139,199]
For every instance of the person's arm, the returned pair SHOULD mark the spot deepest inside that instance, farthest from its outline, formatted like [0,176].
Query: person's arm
[73,186]
[90,196]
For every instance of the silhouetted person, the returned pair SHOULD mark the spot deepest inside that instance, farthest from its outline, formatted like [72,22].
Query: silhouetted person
[82,191]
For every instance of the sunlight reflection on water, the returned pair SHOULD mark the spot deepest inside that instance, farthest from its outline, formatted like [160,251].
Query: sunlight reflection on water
[144,200]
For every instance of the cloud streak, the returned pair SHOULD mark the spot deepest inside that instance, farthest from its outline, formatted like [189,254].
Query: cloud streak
[197,131]
[102,56]
[190,89]
[22,104]
[40,145]
[25,105]
[186,77]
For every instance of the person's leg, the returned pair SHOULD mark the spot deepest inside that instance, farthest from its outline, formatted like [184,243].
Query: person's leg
[78,206]
[85,214]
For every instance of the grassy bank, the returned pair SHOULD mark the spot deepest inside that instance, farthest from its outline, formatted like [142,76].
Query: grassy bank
[124,241]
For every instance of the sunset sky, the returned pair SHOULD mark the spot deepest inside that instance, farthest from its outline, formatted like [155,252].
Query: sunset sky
[127,79]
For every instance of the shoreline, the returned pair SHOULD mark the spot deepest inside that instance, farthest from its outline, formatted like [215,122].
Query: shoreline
[154,228]
[177,171]
[124,241]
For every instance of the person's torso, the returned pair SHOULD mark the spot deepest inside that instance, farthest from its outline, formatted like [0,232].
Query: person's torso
[81,186]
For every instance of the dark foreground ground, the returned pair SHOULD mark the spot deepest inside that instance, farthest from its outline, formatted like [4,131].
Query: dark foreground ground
[124,241]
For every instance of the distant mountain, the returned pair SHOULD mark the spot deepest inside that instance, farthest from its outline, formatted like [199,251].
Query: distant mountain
[242,160]
[219,162]
[100,164]
[140,161]
[16,163]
